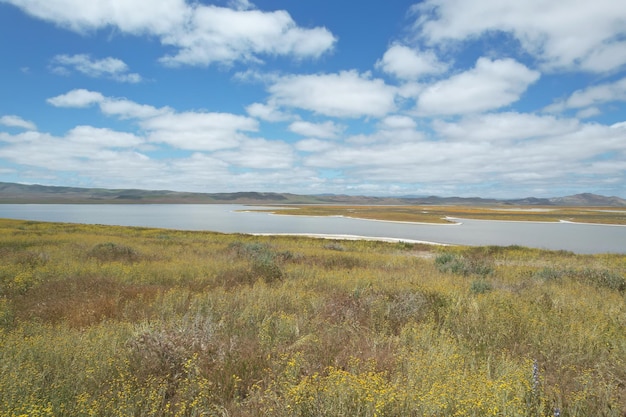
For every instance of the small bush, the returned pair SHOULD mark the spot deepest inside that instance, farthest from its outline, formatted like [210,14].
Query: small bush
[549,274]
[109,251]
[461,265]
[600,278]
[604,279]
[265,267]
[264,261]
[32,259]
[335,246]
[163,351]
[480,287]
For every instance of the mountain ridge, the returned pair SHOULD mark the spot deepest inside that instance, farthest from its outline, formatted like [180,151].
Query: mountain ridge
[35,193]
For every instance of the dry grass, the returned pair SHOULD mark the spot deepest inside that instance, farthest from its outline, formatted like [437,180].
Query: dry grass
[439,214]
[98,320]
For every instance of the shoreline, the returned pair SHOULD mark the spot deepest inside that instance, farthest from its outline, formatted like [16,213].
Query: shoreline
[356,218]
[560,221]
[353,237]
[453,221]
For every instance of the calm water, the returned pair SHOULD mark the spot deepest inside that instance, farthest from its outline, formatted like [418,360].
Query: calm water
[580,238]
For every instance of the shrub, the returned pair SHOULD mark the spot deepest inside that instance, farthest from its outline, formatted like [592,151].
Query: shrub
[263,260]
[604,279]
[265,267]
[549,274]
[461,265]
[164,350]
[480,287]
[109,251]
[335,246]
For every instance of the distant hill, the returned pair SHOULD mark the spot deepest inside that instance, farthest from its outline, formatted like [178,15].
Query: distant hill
[587,199]
[23,193]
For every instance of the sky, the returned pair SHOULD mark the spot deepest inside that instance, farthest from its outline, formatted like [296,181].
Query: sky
[489,98]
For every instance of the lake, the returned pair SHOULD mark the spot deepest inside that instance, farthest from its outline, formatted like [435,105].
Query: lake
[579,238]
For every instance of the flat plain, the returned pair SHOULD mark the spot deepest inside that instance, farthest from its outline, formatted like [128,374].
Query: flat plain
[127,321]
[446,214]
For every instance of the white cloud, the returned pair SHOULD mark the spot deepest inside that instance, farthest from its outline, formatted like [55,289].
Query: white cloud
[503,127]
[568,152]
[314,145]
[127,109]
[588,112]
[592,96]
[203,131]
[491,84]
[129,16]
[87,150]
[409,64]
[217,34]
[259,154]
[16,121]
[325,130]
[112,68]
[76,98]
[201,34]
[199,131]
[466,154]
[345,94]
[267,112]
[240,4]
[102,137]
[397,122]
[564,34]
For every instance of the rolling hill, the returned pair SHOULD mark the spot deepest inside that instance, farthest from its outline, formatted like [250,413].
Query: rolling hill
[43,194]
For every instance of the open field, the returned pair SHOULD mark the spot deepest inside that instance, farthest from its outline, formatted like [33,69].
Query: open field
[438,214]
[122,321]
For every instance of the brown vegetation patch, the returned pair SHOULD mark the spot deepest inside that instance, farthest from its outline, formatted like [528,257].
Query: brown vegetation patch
[83,301]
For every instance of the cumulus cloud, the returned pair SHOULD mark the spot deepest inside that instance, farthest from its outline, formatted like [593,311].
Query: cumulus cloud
[505,127]
[397,122]
[102,137]
[217,34]
[409,64]
[76,98]
[200,34]
[127,109]
[325,130]
[84,149]
[566,34]
[592,96]
[204,131]
[199,131]
[344,94]
[222,152]
[491,84]
[556,151]
[111,68]
[259,154]
[16,121]
[314,145]
[267,112]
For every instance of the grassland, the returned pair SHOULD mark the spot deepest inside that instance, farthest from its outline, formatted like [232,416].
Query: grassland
[442,214]
[113,321]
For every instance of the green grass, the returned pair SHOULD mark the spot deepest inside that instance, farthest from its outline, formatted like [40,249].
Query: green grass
[110,321]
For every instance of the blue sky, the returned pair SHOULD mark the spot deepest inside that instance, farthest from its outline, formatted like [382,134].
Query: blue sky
[485,98]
